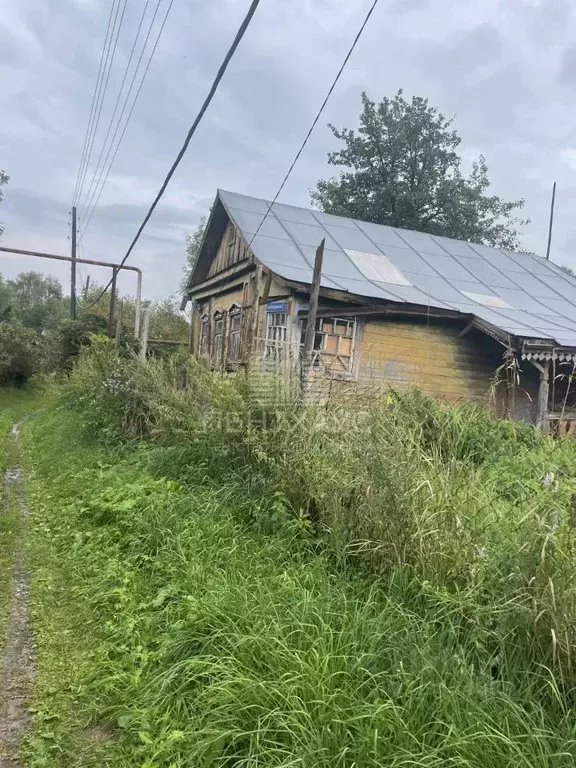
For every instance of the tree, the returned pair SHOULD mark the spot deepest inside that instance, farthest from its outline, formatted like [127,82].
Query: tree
[402,169]
[4,179]
[193,243]
[18,354]
[36,300]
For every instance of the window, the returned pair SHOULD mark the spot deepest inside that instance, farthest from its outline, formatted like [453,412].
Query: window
[218,337]
[234,325]
[333,343]
[205,336]
[276,334]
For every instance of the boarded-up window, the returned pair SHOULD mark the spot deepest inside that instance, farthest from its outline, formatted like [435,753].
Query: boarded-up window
[234,325]
[205,336]
[333,343]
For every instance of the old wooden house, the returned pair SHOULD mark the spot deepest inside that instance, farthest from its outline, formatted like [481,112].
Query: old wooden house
[397,307]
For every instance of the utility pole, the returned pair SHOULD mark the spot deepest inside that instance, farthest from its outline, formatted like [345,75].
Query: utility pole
[312,312]
[551,221]
[73,267]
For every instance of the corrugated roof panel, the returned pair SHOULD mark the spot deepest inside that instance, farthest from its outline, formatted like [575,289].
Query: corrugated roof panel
[385,263]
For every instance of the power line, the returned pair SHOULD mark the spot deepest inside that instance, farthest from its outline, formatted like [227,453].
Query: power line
[318,115]
[96,87]
[89,197]
[103,89]
[92,203]
[239,35]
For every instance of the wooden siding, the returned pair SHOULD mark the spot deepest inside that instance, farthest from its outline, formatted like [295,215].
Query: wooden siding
[433,357]
[230,251]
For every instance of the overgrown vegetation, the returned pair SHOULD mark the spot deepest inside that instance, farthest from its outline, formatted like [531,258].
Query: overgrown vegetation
[224,578]
[37,335]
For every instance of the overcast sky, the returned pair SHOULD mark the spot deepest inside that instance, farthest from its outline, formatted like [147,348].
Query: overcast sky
[505,68]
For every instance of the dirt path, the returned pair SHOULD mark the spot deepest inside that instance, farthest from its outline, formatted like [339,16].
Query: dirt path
[17,664]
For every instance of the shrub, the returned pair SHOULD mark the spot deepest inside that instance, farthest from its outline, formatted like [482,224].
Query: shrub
[18,354]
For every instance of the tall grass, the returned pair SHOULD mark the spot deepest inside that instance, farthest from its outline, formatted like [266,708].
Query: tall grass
[264,584]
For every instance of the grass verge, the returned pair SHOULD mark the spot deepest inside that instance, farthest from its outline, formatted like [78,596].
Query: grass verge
[173,635]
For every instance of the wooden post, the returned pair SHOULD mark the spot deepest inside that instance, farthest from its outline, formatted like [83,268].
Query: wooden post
[144,339]
[312,312]
[542,402]
[119,324]
[252,341]
[112,303]
[551,221]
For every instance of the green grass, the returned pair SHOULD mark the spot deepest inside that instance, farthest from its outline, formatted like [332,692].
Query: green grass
[192,612]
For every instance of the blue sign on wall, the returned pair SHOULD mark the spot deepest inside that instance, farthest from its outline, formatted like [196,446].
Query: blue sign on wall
[277,306]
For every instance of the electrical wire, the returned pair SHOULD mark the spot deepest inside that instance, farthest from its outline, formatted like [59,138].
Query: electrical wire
[96,89]
[318,115]
[239,35]
[96,194]
[100,168]
[102,95]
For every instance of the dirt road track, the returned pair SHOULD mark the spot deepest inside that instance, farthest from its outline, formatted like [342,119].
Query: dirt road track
[17,660]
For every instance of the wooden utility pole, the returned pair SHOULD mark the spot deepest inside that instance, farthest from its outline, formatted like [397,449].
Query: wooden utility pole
[144,339]
[551,221]
[119,324]
[86,288]
[312,312]
[73,267]
[112,303]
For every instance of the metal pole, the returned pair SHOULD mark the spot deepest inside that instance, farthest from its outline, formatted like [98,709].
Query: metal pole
[312,312]
[112,302]
[551,221]
[94,263]
[144,340]
[73,268]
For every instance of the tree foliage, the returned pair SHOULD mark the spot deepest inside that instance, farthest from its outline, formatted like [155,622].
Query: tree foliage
[193,243]
[4,179]
[18,354]
[401,168]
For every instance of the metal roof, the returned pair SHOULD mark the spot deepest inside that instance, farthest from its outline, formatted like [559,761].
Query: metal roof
[517,293]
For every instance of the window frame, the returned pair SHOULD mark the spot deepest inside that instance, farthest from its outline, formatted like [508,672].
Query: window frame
[204,341]
[218,338]
[324,359]
[234,333]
